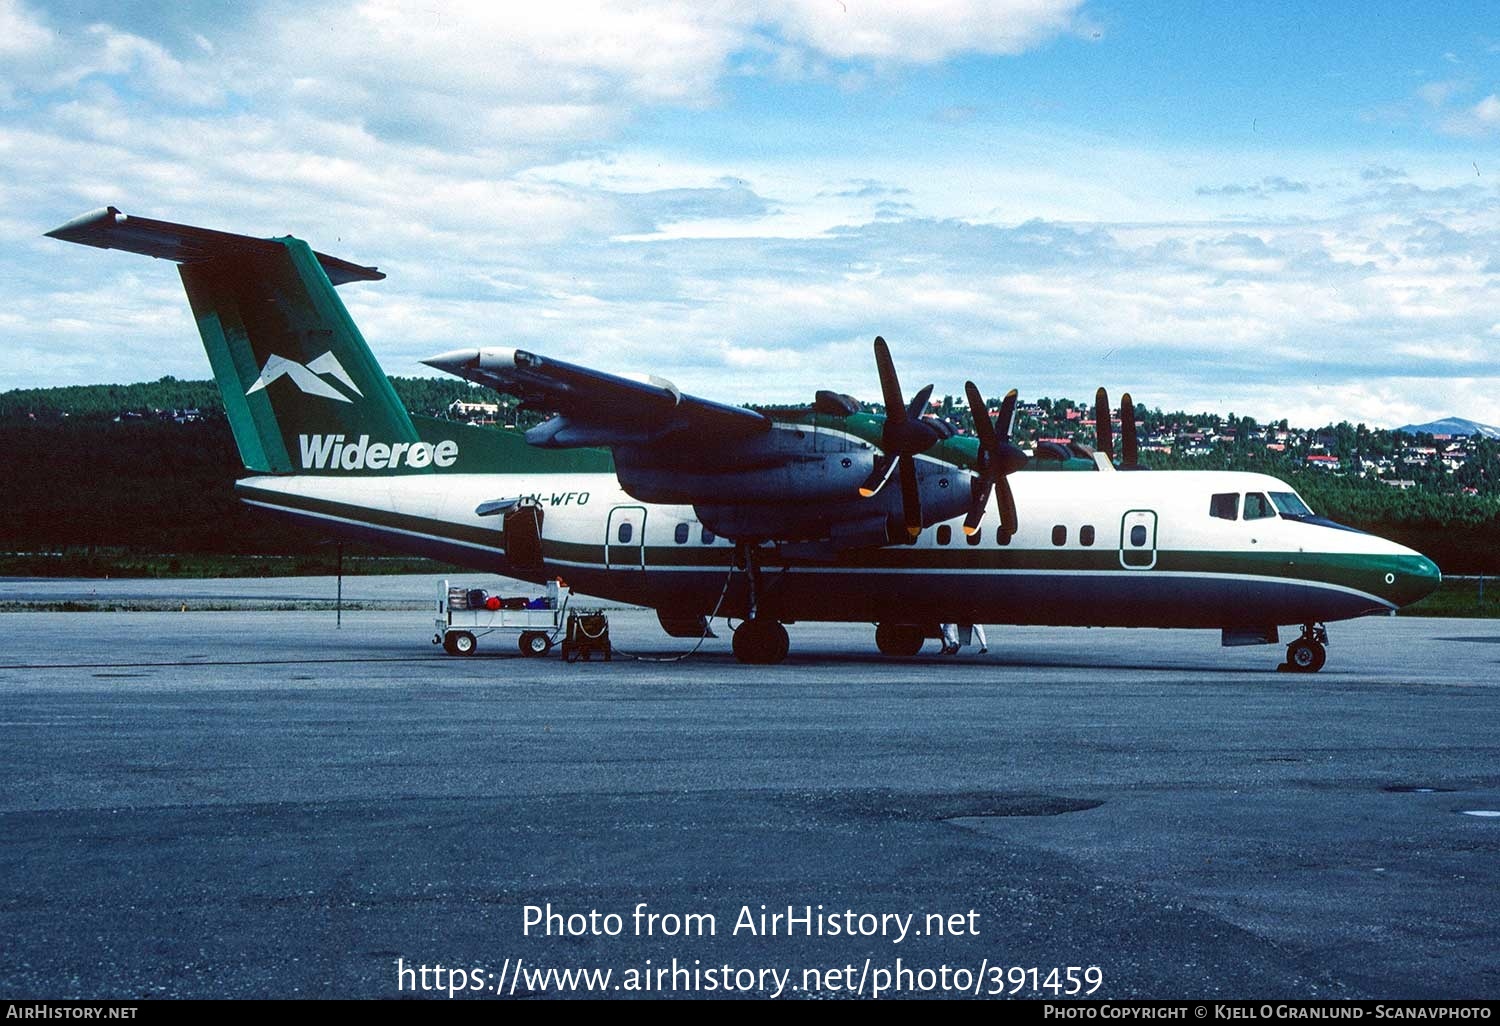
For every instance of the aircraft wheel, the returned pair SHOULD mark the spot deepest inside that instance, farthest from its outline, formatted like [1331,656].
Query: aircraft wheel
[761,642]
[460,643]
[1306,656]
[534,643]
[898,639]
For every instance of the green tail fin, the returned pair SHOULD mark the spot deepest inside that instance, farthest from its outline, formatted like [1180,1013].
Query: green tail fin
[302,389]
[299,383]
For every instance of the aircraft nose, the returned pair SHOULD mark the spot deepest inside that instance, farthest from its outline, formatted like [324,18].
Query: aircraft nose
[1413,578]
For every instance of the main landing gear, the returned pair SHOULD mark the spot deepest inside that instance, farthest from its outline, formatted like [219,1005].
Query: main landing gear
[759,640]
[1308,653]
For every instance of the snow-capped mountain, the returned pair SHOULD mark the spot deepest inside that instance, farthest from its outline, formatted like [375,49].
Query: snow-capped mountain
[1451,426]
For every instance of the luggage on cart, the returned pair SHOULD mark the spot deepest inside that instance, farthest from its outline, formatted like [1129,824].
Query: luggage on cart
[464,615]
[587,633]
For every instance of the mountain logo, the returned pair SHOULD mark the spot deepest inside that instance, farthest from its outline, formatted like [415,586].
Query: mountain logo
[307,377]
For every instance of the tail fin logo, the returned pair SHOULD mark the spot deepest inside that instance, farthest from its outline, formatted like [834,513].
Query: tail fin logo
[308,378]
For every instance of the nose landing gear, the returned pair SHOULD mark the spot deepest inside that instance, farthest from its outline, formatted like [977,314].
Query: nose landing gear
[1308,653]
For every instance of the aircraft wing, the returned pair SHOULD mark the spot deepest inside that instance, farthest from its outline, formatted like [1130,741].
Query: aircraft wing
[599,409]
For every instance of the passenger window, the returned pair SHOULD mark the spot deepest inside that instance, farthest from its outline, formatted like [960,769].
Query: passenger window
[707,537]
[625,531]
[1059,535]
[975,538]
[681,534]
[1138,535]
[1258,507]
[944,534]
[1225,506]
[1086,534]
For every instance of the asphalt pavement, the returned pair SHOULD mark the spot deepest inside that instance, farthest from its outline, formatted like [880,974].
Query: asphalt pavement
[257,804]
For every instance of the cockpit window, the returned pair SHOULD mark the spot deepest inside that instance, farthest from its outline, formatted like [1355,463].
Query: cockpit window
[1291,504]
[1258,507]
[1225,506]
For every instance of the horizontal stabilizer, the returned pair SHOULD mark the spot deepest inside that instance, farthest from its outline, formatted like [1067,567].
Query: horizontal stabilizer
[111,229]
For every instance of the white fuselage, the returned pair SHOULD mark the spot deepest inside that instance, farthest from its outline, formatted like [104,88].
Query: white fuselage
[1102,548]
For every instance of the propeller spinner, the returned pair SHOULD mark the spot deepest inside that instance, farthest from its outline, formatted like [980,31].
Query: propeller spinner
[904,435]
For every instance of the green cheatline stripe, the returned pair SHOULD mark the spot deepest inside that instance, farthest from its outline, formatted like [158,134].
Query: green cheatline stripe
[1360,572]
[377,517]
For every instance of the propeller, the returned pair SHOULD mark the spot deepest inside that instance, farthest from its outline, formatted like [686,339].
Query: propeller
[902,437]
[1129,449]
[999,457]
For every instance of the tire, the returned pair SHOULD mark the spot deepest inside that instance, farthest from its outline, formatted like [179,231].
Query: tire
[761,642]
[460,643]
[1306,656]
[901,640]
[534,643]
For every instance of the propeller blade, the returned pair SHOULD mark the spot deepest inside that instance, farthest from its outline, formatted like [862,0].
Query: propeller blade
[911,495]
[1009,522]
[890,385]
[982,489]
[881,473]
[984,428]
[1007,419]
[919,404]
[1129,450]
[1102,430]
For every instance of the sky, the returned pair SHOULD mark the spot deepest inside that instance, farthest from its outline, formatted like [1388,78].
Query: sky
[1277,210]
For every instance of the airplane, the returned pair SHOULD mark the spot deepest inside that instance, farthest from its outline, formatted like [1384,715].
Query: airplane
[635,491]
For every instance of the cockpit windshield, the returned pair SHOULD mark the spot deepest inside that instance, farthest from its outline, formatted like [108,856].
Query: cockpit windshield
[1290,504]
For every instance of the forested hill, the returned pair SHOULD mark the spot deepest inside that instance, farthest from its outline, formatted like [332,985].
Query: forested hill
[159,399]
[150,467]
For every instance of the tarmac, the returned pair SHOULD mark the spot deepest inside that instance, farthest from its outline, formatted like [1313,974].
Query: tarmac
[256,804]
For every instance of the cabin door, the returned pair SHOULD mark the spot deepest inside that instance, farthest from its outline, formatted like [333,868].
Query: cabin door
[1138,540]
[625,539]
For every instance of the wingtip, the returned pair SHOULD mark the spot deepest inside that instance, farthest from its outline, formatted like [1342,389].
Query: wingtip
[453,361]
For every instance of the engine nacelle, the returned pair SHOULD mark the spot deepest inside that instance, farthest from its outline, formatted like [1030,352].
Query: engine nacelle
[844,521]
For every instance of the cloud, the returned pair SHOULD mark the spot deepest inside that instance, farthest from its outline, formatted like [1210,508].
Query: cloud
[1306,319]
[1437,94]
[491,164]
[22,34]
[666,206]
[1263,189]
[900,32]
[870,188]
[1482,119]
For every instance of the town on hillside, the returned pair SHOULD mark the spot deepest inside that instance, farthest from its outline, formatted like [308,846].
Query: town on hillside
[1447,462]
